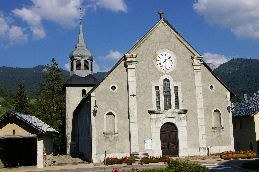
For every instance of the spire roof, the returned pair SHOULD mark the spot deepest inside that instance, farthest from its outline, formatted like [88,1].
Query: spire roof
[80,48]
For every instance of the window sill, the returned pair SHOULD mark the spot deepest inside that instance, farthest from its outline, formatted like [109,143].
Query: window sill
[110,134]
[218,129]
[178,111]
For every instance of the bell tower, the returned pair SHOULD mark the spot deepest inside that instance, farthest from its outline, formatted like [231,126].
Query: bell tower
[81,60]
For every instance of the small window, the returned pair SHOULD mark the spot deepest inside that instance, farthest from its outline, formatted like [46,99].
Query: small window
[217,119]
[83,93]
[176,97]
[211,87]
[157,97]
[167,94]
[86,65]
[113,88]
[13,132]
[78,65]
[110,123]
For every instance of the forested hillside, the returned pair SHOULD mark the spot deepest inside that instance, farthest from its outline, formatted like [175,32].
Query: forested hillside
[30,77]
[240,75]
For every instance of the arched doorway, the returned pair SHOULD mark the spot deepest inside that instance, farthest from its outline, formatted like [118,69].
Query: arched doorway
[169,139]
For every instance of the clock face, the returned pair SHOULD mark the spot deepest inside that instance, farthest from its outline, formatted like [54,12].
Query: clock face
[164,60]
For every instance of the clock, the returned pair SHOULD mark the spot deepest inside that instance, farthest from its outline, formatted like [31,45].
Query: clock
[164,60]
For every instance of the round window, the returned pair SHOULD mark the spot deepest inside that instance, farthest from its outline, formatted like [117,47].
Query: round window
[211,87]
[113,88]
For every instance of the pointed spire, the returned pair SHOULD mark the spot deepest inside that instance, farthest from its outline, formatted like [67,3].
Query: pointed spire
[81,41]
[80,48]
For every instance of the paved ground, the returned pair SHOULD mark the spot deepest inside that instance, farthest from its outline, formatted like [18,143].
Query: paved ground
[214,165]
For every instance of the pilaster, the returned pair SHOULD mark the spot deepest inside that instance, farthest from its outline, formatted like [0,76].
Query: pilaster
[197,62]
[40,161]
[94,109]
[130,65]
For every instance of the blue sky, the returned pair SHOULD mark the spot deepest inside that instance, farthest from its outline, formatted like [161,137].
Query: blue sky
[34,31]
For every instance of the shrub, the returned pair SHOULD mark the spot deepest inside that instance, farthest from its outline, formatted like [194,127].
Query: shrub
[179,166]
[111,160]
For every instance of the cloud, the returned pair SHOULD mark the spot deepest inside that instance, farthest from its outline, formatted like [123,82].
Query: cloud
[33,20]
[99,68]
[113,5]
[11,34]
[63,12]
[215,60]
[67,67]
[113,55]
[16,35]
[241,17]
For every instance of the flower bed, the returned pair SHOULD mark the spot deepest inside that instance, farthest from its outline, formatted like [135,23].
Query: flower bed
[127,160]
[248,154]
[147,160]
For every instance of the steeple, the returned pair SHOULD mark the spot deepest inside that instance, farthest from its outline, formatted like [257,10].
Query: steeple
[81,59]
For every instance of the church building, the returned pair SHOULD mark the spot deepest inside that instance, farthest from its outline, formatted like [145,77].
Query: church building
[160,98]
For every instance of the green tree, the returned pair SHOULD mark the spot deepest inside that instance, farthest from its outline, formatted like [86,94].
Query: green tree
[21,100]
[50,104]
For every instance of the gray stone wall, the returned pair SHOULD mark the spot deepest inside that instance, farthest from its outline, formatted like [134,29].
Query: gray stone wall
[84,131]
[216,97]
[147,74]
[73,98]
[115,101]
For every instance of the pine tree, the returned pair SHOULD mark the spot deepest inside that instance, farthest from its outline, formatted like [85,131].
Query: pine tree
[21,100]
[51,104]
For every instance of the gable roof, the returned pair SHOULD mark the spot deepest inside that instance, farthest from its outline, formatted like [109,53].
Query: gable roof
[136,45]
[248,107]
[32,121]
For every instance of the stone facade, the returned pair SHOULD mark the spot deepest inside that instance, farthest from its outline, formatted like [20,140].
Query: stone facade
[134,92]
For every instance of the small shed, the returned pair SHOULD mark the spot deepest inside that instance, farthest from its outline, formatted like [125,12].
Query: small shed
[24,140]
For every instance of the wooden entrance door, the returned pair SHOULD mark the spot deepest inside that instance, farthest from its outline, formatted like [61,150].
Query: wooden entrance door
[169,139]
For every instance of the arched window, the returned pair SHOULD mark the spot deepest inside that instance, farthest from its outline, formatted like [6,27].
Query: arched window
[157,97]
[110,123]
[176,97]
[167,94]
[86,65]
[217,119]
[83,93]
[78,65]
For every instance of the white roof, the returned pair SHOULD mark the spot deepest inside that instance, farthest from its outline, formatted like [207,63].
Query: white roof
[34,122]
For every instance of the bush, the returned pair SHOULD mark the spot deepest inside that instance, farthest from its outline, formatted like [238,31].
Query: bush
[180,166]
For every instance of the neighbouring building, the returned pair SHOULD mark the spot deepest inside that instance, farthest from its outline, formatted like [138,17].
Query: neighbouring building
[24,139]
[246,123]
[160,98]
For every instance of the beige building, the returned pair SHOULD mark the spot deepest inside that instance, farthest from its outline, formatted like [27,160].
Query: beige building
[246,124]
[24,140]
[160,98]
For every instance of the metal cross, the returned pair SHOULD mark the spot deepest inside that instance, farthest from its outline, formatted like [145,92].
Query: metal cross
[161,12]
